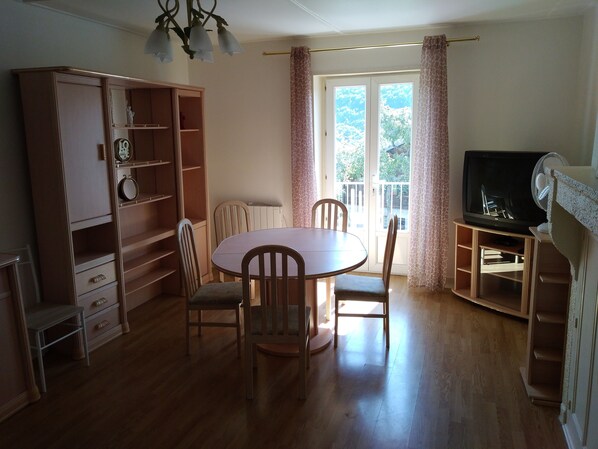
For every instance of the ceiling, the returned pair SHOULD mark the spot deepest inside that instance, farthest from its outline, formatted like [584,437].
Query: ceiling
[258,20]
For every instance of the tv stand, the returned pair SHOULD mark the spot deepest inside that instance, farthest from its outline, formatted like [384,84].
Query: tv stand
[493,268]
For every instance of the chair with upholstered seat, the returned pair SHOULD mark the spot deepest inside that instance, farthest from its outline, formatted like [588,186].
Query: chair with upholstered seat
[350,287]
[214,296]
[232,218]
[282,316]
[329,213]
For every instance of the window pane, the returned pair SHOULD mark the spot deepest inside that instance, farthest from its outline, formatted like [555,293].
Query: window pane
[394,149]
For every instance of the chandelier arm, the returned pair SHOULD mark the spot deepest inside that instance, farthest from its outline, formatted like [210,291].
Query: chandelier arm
[170,14]
[210,13]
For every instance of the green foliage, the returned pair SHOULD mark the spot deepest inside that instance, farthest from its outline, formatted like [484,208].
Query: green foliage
[395,109]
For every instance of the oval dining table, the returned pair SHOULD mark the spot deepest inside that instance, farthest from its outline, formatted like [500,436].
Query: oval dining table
[326,253]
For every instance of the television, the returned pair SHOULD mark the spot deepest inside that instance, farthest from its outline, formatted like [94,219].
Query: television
[497,190]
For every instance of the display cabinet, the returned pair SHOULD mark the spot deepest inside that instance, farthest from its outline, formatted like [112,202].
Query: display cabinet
[493,268]
[115,163]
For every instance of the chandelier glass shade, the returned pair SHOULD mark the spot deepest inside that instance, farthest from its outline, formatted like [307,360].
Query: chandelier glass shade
[195,38]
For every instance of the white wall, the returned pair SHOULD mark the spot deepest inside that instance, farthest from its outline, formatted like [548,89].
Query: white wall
[36,37]
[521,87]
[515,89]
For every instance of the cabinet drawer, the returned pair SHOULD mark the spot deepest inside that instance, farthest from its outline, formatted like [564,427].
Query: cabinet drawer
[102,322]
[98,300]
[96,277]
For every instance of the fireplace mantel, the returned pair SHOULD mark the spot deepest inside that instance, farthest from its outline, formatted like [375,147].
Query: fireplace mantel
[574,206]
[573,218]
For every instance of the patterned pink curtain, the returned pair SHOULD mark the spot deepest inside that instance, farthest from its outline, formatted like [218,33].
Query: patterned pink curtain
[429,196]
[303,172]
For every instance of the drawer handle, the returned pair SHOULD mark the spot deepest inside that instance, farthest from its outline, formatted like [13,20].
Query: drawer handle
[102,324]
[99,302]
[98,278]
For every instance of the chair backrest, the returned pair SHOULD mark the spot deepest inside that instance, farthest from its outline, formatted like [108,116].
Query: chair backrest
[329,213]
[188,257]
[389,251]
[231,218]
[277,288]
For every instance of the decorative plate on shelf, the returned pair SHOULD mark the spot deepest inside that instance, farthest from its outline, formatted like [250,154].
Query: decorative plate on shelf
[128,189]
[123,150]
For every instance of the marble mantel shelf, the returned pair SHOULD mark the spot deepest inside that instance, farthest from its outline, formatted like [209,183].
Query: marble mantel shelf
[573,206]
[577,192]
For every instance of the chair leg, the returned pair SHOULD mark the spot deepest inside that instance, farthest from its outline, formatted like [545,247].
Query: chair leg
[40,363]
[335,321]
[302,371]
[187,336]
[248,368]
[328,300]
[238,334]
[84,332]
[199,323]
[387,322]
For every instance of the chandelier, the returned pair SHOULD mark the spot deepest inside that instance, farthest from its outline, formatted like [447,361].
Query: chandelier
[196,42]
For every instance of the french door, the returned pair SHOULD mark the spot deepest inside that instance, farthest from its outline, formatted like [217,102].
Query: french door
[369,124]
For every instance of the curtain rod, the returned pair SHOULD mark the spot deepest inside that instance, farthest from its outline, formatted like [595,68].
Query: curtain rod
[372,47]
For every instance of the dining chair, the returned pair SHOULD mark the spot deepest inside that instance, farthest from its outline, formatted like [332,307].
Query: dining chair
[350,287]
[329,213]
[48,323]
[232,218]
[213,296]
[282,316]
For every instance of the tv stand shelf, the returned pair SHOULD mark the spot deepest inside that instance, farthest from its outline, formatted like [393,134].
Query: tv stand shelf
[493,268]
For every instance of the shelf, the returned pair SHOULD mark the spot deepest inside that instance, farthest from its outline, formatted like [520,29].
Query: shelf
[516,250]
[541,394]
[191,167]
[146,238]
[141,164]
[142,199]
[465,269]
[86,260]
[464,246]
[190,130]
[554,278]
[548,354]
[140,126]
[139,262]
[144,281]
[504,303]
[510,271]
[550,318]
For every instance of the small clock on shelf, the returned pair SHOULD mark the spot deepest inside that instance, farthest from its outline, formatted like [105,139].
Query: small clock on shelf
[123,150]
[128,189]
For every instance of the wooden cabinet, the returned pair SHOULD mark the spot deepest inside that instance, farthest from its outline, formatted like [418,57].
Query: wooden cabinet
[493,268]
[96,248]
[17,382]
[543,373]
[71,178]
[193,200]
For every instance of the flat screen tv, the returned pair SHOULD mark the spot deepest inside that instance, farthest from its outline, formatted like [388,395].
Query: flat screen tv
[497,190]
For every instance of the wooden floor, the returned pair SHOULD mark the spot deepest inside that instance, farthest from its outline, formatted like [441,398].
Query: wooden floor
[450,380]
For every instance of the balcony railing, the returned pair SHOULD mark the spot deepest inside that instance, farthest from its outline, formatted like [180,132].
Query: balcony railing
[393,199]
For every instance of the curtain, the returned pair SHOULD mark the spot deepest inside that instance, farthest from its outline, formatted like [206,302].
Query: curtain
[303,172]
[428,248]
